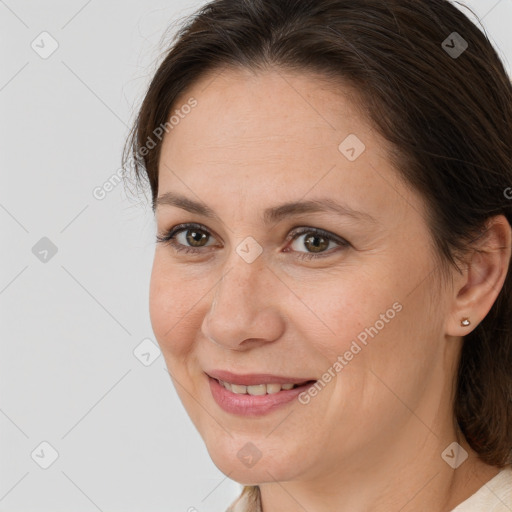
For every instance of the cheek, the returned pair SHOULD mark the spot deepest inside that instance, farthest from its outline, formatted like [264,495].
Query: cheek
[375,325]
[343,307]
[174,307]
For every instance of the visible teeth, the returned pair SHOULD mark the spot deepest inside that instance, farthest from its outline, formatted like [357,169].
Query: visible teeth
[238,388]
[273,388]
[259,389]
[256,390]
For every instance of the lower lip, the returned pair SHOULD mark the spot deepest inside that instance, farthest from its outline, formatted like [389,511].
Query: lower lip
[252,405]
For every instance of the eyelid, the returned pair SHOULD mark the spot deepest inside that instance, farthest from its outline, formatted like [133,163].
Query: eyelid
[169,236]
[171,233]
[301,230]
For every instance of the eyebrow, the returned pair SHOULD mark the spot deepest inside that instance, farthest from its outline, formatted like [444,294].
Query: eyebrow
[270,215]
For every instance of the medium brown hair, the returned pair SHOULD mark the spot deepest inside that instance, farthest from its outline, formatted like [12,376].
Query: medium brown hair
[447,117]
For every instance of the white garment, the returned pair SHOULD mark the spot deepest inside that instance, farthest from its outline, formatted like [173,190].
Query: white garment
[494,496]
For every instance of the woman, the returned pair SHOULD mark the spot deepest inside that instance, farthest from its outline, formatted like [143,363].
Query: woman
[331,287]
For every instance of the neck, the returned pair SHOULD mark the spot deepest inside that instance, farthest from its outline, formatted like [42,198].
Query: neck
[405,479]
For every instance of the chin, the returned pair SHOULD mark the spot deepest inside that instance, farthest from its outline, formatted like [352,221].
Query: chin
[254,462]
[260,473]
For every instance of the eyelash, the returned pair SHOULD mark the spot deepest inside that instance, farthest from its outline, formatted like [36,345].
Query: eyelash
[168,237]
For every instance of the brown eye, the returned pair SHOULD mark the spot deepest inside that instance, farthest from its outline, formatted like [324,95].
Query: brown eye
[196,237]
[316,243]
[186,238]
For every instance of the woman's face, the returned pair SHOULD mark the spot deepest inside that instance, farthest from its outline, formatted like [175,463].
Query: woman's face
[270,300]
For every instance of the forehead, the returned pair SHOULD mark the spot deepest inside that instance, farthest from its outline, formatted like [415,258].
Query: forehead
[276,132]
[241,109]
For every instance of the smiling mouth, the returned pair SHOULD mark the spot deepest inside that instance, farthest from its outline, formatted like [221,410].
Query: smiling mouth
[254,394]
[261,389]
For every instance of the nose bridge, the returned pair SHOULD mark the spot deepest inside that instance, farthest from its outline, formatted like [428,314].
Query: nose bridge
[240,307]
[238,290]
[245,270]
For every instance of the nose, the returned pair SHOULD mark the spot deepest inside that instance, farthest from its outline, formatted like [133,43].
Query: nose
[244,311]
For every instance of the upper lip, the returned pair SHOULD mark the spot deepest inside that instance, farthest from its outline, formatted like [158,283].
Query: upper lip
[251,379]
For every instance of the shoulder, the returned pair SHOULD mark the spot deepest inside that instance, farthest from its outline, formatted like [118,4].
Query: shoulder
[248,501]
[494,496]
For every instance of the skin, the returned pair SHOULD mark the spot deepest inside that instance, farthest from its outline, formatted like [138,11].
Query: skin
[372,439]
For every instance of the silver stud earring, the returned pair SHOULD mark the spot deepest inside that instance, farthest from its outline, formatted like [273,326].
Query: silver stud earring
[465,322]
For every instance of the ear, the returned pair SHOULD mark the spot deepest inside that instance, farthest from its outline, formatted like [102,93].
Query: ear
[476,290]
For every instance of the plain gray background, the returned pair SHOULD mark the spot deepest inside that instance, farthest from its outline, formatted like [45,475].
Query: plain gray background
[73,371]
